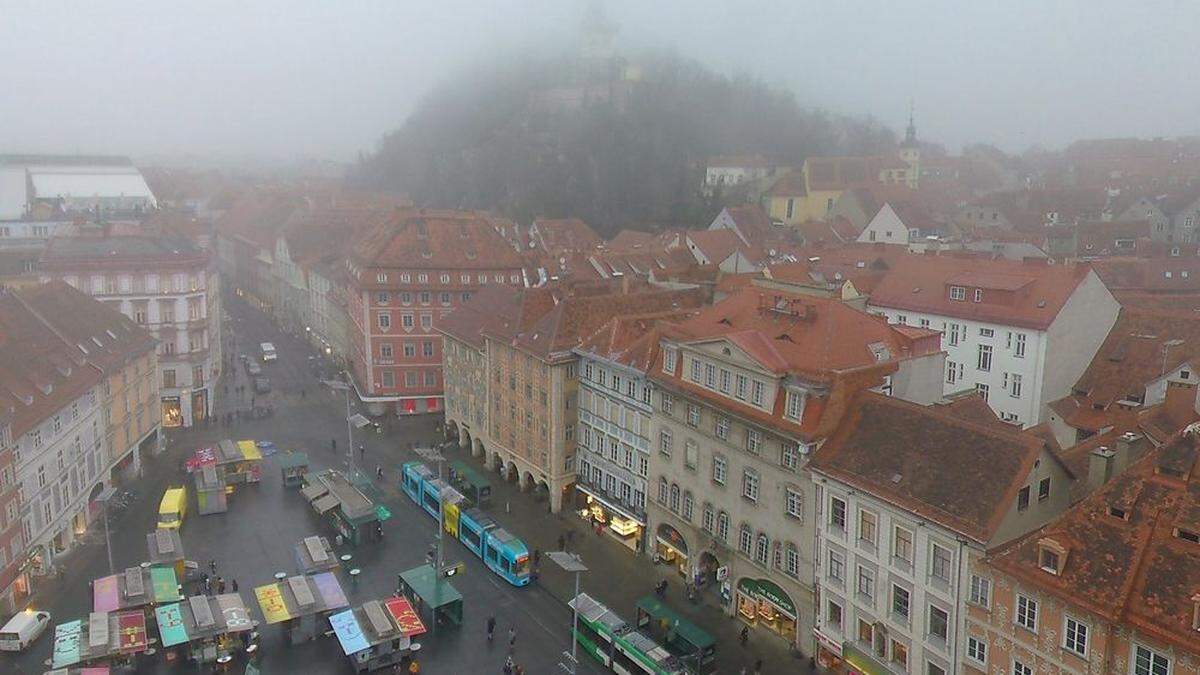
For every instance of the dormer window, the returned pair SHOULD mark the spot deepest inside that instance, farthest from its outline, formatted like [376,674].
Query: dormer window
[1196,611]
[1117,512]
[958,293]
[1052,556]
[978,295]
[794,408]
[670,358]
[381,278]
[1188,535]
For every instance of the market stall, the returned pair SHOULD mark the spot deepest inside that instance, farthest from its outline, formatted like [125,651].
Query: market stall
[135,588]
[293,466]
[166,550]
[212,491]
[210,628]
[435,599]
[106,638]
[377,634]
[296,601]
[314,554]
[351,513]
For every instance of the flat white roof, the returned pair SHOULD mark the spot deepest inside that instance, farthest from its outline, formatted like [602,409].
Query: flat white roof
[85,182]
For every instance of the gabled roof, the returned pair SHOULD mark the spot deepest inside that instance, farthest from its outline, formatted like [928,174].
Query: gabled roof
[752,222]
[435,239]
[632,340]
[567,234]
[1028,294]
[626,239]
[1130,570]
[1141,347]
[791,184]
[957,473]
[716,245]
[326,233]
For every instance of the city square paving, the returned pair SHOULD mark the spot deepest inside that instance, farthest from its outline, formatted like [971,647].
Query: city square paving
[255,538]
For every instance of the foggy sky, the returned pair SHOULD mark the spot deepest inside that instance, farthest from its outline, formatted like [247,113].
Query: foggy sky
[285,78]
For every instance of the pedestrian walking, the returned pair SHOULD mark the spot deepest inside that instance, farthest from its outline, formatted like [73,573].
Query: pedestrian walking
[303,393]
[537,557]
[509,665]
[414,667]
[220,586]
[758,667]
[491,627]
[379,472]
[562,543]
[233,583]
[362,451]
[207,585]
[212,565]
[512,638]
[333,444]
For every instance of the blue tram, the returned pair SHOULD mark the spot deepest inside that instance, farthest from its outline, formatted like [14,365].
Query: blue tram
[503,553]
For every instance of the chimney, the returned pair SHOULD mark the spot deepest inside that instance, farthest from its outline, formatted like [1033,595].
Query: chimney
[1180,403]
[1100,468]
[1129,447]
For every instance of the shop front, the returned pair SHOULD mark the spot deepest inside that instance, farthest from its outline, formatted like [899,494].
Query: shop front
[613,520]
[763,604]
[829,652]
[670,548]
[858,660]
[172,413]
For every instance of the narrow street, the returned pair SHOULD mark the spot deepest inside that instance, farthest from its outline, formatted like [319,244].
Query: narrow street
[254,539]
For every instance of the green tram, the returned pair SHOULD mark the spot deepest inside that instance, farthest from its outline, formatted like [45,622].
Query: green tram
[619,645]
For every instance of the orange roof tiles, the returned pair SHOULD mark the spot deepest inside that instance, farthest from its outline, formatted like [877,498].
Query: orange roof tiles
[567,234]
[435,239]
[1130,570]
[960,474]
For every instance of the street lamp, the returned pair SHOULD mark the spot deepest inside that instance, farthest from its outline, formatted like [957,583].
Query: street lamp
[336,384]
[435,455]
[105,498]
[571,562]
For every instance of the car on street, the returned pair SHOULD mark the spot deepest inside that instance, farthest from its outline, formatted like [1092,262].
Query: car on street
[23,629]
[262,385]
[253,369]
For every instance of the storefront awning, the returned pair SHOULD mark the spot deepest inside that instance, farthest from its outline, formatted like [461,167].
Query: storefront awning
[762,589]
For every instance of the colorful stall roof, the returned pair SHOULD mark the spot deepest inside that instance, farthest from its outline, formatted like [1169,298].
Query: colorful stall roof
[202,457]
[299,596]
[406,617]
[131,629]
[67,637]
[348,632]
[270,600]
[170,625]
[165,585]
[106,594]
[250,451]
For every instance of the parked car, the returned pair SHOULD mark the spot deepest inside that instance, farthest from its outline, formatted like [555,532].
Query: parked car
[23,629]
[253,369]
[262,385]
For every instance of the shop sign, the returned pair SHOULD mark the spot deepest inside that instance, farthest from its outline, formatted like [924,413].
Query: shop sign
[829,644]
[722,572]
[669,535]
[763,589]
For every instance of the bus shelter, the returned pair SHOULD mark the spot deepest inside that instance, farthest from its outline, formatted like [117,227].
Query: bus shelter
[208,627]
[377,634]
[314,554]
[135,588]
[435,599]
[348,510]
[112,638]
[165,548]
[296,601]
[292,467]
[692,644]
[211,489]
[476,487]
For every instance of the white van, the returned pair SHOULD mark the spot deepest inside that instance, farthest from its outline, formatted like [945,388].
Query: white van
[23,629]
[268,351]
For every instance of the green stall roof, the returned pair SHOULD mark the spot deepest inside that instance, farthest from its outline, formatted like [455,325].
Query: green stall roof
[681,627]
[471,476]
[423,581]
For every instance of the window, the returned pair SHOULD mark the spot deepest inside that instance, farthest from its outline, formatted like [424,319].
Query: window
[697,367]
[425,296]
[664,442]
[444,297]
[761,548]
[1043,489]
[410,349]
[724,384]
[794,407]
[668,403]
[940,563]
[837,566]
[708,518]
[385,351]
[977,650]
[758,393]
[1018,345]
[739,391]
[866,582]
[689,504]
[168,377]
[662,491]
[427,348]
[1075,637]
[939,622]
[954,334]
[1021,669]
[721,428]
[954,372]
[693,415]
[426,321]
[984,362]
[833,615]
[389,379]
[745,539]
[981,591]
[710,375]
[406,320]
[837,513]
[723,526]
[794,503]
[958,293]
[1014,385]
[1049,560]
[385,320]
[719,469]
[1023,499]
[382,298]
[791,560]
[670,355]
[900,599]
[983,390]
[789,455]
[868,527]
[753,441]
[1146,661]
[750,485]
[1026,616]
[978,295]
[902,545]
[675,498]
[987,332]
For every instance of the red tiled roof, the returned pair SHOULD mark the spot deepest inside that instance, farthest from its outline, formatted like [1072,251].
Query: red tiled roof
[752,221]
[1141,347]
[1159,275]
[1134,570]
[631,239]
[1027,294]
[568,234]
[790,184]
[434,239]
[960,474]
[632,340]
[716,245]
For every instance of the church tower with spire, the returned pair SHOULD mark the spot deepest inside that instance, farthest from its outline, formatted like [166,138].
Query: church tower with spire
[910,150]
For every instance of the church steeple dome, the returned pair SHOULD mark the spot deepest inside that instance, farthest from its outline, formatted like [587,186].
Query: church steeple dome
[910,132]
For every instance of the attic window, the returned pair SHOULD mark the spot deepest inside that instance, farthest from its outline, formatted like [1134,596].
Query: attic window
[1187,535]
[958,293]
[1052,556]
[1117,512]
[978,295]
